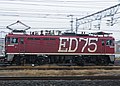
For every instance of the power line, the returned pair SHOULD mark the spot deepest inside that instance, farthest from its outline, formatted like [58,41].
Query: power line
[76,5]
[60,1]
[33,10]
[38,14]
[16,12]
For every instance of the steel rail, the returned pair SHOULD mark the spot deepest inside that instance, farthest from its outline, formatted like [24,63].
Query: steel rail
[63,78]
[59,67]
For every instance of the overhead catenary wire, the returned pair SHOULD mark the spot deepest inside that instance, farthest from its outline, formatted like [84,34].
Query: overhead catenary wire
[53,4]
[36,11]
[37,4]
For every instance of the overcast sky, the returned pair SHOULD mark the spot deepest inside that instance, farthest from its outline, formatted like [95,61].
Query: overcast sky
[47,14]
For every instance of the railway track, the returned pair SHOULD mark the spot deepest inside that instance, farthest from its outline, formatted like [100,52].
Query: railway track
[59,67]
[63,78]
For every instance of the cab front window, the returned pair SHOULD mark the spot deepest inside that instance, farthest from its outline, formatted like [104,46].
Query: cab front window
[8,39]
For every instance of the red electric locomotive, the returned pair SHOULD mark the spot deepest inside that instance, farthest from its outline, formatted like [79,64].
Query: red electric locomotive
[97,48]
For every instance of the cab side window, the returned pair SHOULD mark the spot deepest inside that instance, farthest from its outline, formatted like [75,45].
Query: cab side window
[103,43]
[21,40]
[14,40]
[109,42]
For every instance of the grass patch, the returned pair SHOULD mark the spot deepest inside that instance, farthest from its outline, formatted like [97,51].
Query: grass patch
[58,72]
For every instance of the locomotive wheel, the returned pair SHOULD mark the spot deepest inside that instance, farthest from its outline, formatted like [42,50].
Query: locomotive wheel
[22,61]
[16,60]
[102,61]
[40,61]
[80,61]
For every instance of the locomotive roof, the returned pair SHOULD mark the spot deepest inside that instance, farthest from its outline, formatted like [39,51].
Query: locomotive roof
[101,33]
[63,35]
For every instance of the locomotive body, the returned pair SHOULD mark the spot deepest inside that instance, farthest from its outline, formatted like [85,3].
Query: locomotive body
[66,48]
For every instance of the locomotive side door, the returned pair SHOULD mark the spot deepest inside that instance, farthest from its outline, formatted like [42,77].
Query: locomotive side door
[21,45]
[103,44]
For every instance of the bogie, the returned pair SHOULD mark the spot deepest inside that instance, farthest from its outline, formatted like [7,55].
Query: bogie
[66,60]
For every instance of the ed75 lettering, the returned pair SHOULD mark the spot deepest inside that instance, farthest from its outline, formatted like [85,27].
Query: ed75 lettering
[88,42]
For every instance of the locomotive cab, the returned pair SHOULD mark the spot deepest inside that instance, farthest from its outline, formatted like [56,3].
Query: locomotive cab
[13,46]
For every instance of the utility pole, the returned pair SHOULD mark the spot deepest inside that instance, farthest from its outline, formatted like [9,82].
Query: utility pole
[71,22]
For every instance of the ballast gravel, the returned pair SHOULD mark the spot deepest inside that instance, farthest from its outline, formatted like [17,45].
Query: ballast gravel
[60,83]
